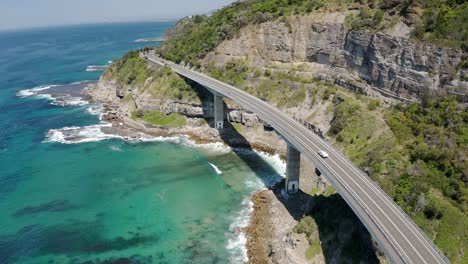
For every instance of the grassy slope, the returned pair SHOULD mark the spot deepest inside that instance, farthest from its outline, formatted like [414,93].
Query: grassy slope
[160,119]
[413,161]
[132,71]
[384,141]
[417,158]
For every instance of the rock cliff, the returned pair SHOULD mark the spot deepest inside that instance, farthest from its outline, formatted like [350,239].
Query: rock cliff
[390,62]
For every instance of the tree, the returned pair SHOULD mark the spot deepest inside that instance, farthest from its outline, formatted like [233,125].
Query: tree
[420,205]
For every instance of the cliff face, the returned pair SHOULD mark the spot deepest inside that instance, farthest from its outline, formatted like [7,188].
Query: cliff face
[388,61]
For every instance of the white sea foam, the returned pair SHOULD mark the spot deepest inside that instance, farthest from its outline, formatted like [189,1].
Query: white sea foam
[75,135]
[92,68]
[237,238]
[59,100]
[217,147]
[34,91]
[146,40]
[80,82]
[94,133]
[67,101]
[115,148]
[96,110]
[217,170]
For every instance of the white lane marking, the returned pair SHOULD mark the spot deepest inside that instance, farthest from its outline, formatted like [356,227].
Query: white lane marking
[371,186]
[358,186]
[365,181]
[350,189]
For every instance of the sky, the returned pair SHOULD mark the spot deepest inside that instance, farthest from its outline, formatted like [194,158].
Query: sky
[18,14]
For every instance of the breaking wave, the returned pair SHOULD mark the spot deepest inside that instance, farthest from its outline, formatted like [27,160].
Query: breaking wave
[93,68]
[237,239]
[216,169]
[75,135]
[236,236]
[34,91]
[60,95]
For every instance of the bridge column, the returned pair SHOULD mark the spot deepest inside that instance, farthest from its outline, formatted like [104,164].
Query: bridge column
[293,169]
[218,111]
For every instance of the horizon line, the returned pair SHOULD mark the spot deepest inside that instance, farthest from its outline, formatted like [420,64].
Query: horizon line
[55,26]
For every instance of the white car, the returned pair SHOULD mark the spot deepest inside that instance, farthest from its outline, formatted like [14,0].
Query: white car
[323,154]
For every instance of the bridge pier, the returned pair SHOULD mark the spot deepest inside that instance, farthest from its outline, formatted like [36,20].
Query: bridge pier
[293,169]
[218,111]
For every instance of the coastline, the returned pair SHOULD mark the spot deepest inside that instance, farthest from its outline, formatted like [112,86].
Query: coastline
[269,234]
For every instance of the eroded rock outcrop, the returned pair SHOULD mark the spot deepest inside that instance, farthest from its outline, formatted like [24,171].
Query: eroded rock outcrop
[395,64]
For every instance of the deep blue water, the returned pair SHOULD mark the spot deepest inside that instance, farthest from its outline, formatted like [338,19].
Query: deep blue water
[105,200]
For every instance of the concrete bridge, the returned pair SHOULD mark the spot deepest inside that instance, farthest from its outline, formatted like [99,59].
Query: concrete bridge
[396,233]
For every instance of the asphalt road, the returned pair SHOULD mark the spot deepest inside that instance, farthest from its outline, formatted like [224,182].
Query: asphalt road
[395,232]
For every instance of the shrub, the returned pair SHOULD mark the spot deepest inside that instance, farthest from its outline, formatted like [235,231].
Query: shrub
[373,105]
[306,226]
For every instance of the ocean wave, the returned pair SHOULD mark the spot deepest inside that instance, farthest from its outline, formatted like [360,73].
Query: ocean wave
[217,170]
[217,147]
[115,148]
[58,98]
[75,135]
[92,68]
[96,110]
[94,133]
[34,91]
[237,238]
[67,101]
[147,40]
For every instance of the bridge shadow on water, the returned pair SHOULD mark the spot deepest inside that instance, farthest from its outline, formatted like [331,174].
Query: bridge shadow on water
[343,238]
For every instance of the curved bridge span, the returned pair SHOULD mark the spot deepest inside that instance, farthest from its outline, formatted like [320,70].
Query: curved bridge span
[395,232]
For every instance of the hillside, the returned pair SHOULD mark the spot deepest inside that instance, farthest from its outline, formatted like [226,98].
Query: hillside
[339,66]
[375,44]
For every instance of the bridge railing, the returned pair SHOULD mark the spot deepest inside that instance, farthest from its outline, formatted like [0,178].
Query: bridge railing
[376,186]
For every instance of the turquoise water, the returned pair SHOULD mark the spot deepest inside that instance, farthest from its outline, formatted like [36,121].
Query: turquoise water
[108,201]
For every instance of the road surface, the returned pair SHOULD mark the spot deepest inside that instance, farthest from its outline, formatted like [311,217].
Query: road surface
[396,233]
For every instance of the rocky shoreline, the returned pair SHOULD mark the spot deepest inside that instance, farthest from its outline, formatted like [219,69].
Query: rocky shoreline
[269,234]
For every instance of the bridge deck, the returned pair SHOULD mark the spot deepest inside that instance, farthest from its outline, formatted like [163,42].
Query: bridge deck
[396,233]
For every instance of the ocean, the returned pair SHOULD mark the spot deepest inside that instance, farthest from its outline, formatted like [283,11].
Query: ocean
[91,197]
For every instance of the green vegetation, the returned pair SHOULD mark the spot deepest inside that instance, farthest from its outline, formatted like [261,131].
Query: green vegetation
[201,34]
[417,153]
[366,19]
[332,229]
[160,119]
[129,70]
[307,226]
[434,136]
[372,105]
[440,21]
[444,22]
[272,87]
[313,249]
[234,72]
[132,71]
